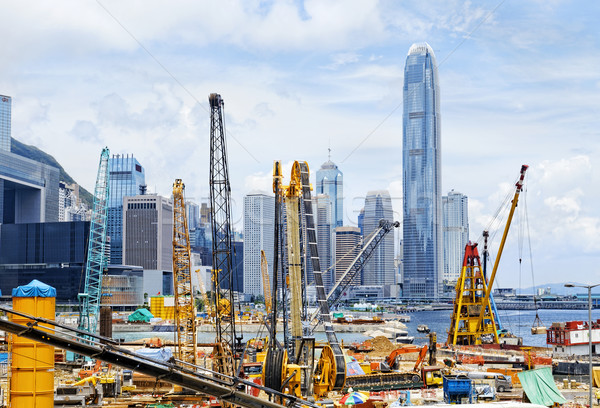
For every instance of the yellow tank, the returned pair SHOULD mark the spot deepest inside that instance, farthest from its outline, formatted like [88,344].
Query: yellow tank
[32,363]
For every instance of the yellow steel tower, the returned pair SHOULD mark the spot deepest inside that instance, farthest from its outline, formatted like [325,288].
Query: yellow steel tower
[264,268]
[185,312]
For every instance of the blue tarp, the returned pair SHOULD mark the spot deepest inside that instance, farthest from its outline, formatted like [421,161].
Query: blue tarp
[33,289]
[160,354]
[3,358]
[540,387]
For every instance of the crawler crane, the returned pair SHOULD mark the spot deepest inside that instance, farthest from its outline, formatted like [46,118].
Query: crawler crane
[185,311]
[224,359]
[89,300]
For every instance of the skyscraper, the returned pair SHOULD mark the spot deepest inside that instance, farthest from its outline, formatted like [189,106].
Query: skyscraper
[259,213]
[322,212]
[148,232]
[421,181]
[456,233]
[126,177]
[379,270]
[330,181]
[5,117]
[347,247]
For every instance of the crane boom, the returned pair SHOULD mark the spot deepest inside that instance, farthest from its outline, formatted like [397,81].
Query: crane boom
[515,200]
[89,300]
[185,312]
[220,201]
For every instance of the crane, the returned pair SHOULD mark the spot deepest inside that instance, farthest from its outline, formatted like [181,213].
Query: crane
[185,311]
[89,300]
[473,320]
[264,269]
[222,273]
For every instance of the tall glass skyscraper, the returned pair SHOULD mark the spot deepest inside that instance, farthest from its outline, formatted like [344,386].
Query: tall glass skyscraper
[259,234]
[379,271]
[330,181]
[126,177]
[421,181]
[5,115]
[456,233]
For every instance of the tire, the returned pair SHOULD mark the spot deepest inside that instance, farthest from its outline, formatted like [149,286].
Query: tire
[501,388]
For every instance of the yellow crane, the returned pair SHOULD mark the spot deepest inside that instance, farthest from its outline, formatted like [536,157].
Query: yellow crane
[473,320]
[264,268]
[185,312]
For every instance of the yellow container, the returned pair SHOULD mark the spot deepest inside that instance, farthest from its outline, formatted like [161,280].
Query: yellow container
[32,363]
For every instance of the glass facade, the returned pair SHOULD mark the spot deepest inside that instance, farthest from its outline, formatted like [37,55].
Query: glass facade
[456,233]
[53,253]
[28,190]
[421,161]
[5,117]
[379,270]
[127,176]
[330,181]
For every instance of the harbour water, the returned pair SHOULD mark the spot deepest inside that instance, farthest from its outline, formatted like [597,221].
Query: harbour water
[518,322]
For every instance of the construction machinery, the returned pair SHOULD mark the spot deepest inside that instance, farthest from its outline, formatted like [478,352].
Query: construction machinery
[204,381]
[224,359]
[185,310]
[89,300]
[473,321]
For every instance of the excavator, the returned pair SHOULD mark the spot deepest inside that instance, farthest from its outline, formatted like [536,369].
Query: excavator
[388,374]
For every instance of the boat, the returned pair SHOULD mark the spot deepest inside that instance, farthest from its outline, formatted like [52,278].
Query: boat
[423,328]
[572,338]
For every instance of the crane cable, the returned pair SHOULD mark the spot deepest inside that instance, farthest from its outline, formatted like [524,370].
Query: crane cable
[537,322]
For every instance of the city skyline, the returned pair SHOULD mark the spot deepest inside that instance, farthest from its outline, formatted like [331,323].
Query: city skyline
[515,90]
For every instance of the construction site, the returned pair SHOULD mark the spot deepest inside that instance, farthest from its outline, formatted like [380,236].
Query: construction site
[50,363]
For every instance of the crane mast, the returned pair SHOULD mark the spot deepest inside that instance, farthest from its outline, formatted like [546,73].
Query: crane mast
[222,272]
[264,269]
[185,316]
[89,300]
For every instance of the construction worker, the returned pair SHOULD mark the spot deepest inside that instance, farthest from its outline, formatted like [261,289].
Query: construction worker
[598,396]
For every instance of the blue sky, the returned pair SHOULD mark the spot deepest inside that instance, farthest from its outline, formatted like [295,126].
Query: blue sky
[519,84]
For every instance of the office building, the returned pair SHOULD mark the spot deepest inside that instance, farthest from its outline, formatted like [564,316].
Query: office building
[322,212]
[127,179]
[456,233]
[347,246]
[330,181]
[53,252]
[28,189]
[421,180]
[148,232]
[379,270]
[259,214]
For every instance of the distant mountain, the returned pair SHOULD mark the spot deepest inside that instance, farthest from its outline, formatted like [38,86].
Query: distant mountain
[33,153]
[559,289]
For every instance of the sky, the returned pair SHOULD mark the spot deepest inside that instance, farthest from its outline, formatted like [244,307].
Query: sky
[519,84]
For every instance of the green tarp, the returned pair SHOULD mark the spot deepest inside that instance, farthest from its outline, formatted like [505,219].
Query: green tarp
[540,388]
[140,315]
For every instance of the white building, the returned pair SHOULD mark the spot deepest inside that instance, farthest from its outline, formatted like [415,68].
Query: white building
[259,214]
[455,232]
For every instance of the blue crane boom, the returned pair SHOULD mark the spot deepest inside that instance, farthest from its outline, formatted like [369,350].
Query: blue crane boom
[89,300]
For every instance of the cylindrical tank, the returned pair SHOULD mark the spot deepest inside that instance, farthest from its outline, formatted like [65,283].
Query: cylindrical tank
[32,363]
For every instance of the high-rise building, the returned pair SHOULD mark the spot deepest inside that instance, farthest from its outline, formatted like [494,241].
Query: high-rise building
[330,181]
[323,218]
[28,189]
[259,214]
[192,215]
[5,118]
[421,181]
[347,247]
[148,232]
[127,176]
[379,270]
[456,233]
